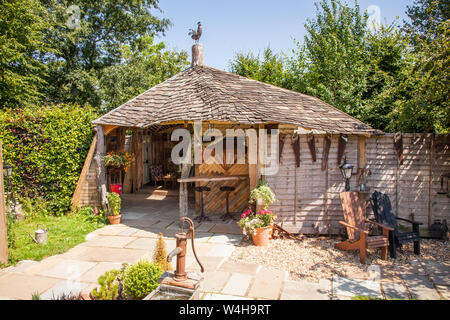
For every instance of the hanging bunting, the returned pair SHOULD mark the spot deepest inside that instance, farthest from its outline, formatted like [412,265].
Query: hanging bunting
[326,151]
[310,139]
[296,146]
[398,145]
[343,139]
[280,147]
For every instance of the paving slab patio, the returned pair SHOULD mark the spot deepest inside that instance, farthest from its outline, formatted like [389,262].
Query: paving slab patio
[267,284]
[22,286]
[355,287]
[238,284]
[302,290]
[63,287]
[420,287]
[394,290]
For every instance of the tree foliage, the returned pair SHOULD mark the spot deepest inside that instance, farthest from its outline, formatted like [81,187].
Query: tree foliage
[21,38]
[373,75]
[47,147]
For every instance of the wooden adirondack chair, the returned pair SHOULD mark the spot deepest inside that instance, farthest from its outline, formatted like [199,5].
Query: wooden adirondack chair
[358,235]
[382,209]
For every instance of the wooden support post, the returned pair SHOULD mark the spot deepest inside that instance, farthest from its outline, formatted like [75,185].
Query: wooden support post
[361,152]
[184,201]
[261,150]
[430,182]
[3,237]
[100,166]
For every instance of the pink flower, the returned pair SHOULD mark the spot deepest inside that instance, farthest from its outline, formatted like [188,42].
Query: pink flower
[263,212]
[245,214]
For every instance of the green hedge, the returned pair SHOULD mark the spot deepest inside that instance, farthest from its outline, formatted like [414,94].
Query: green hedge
[47,147]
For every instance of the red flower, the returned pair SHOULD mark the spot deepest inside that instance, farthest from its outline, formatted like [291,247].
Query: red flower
[245,214]
[263,212]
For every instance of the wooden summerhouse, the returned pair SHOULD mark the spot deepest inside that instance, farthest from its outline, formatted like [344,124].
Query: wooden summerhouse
[314,138]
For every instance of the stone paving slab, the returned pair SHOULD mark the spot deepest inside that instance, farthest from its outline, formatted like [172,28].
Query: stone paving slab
[356,287]
[64,287]
[232,228]
[129,232]
[209,263]
[440,278]
[420,287]
[214,281]
[143,243]
[204,227]
[44,265]
[222,250]
[111,230]
[109,241]
[92,275]
[238,284]
[302,290]
[154,233]
[69,269]
[226,239]
[393,290]
[267,284]
[240,267]
[22,286]
[445,291]
[432,266]
[112,255]
[202,236]
[132,215]
[214,296]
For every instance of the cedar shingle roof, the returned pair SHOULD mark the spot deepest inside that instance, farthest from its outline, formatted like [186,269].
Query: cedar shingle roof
[204,93]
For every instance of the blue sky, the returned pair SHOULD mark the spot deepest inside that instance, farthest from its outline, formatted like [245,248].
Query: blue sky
[232,26]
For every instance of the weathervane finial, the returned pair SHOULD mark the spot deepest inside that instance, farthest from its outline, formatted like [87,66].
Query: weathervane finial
[195,35]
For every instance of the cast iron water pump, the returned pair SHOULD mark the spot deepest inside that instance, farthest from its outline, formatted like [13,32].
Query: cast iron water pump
[180,251]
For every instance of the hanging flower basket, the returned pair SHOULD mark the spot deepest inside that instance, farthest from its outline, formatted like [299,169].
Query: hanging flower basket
[119,160]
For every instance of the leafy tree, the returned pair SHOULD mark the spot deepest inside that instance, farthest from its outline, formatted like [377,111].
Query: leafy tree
[89,39]
[425,18]
[335,50]
[425,104]
[388,57]
[270,68]
[145,65]
[21,37]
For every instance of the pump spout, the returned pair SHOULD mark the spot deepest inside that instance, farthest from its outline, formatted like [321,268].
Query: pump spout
[175,252]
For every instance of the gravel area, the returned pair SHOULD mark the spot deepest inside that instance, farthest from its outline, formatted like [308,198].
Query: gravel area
[313,259]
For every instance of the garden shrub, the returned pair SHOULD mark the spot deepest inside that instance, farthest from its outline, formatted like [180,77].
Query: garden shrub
[141,278]
[47,147]
[160,254]
[109,286]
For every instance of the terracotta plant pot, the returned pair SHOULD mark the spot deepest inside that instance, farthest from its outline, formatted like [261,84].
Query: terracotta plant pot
[114,219]
[262,236]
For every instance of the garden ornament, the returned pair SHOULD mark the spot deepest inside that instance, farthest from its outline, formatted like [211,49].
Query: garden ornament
[180,251]
[40,235]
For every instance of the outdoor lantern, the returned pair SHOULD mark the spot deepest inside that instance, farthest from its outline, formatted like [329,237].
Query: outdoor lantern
[347,171]
[8,169]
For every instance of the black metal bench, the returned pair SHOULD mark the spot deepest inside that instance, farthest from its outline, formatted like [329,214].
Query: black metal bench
[384,214]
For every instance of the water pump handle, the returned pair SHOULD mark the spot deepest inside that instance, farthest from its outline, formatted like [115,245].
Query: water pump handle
[191,232]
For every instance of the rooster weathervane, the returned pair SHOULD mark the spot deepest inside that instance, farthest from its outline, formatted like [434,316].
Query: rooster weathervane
[195,35]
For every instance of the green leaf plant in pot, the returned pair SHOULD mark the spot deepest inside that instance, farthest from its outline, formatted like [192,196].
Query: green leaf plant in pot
[114,206]
[262,195]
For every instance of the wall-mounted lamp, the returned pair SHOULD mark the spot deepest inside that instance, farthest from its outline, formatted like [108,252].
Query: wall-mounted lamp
[347,171]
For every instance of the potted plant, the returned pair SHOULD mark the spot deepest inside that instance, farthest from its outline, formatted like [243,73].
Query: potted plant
[114,206]
[259,226]
[262,195]
[119,160]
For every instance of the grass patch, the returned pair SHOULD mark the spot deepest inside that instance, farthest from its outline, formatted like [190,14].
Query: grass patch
[64,233]
[365,298]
